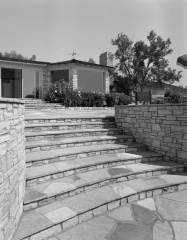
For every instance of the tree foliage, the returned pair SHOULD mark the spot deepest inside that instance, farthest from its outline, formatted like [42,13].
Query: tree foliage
[91,60]
[142,64]
[13,54]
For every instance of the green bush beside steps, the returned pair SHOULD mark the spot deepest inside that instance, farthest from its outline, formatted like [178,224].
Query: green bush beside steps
[61,92]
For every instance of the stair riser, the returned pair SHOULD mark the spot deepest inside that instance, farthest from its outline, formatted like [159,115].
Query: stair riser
[79,144]
[69,127]
[71,135]
[69,120]
[89,187]
[43,109]
[101,209]
[33,104]
[43,106]
[83,155]
[88,168]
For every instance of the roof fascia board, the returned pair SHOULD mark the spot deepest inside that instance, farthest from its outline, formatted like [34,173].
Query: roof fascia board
[25,63]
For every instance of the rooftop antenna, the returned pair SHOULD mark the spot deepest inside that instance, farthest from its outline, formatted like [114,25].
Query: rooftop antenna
[73,54]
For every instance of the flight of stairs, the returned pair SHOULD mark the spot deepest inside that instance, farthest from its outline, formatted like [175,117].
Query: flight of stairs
[80,168]
[39,104]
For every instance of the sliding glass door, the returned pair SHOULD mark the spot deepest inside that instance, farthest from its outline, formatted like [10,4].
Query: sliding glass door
[11,81]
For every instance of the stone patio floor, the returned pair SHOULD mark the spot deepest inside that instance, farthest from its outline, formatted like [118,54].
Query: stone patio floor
[68,113]
[157,218]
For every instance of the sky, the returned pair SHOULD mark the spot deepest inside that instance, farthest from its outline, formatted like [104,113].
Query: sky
[52,29]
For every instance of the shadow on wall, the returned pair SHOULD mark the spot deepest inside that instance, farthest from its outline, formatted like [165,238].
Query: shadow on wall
[36,93]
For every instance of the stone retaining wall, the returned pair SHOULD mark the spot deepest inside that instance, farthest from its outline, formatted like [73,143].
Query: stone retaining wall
[12,165]
[163,128]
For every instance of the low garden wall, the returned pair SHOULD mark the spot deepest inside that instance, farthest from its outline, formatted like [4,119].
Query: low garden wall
[12,165]
[163,128]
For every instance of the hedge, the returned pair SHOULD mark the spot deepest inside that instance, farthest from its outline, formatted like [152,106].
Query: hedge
[61,92]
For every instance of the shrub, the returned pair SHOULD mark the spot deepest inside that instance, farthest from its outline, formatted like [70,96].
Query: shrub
[116,99]
[123,99]
[92,99]
[174,97]
[61,92]
[168,93]
[71,98]
[110,99]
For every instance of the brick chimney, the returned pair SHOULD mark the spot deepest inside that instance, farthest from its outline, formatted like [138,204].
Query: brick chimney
[106,59]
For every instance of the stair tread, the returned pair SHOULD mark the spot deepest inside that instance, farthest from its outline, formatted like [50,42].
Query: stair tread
[67,124]
[66,184]
[34,156]
[51,168]
[75,140]
[62,210]
[30,134]
[69,117]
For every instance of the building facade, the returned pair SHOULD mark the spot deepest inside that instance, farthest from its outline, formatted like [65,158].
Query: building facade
[24,78]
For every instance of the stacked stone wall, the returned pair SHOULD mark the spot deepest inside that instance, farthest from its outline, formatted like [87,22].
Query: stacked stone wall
[73,78]
[163,128]
[12,165]
[107,82]
[46,81]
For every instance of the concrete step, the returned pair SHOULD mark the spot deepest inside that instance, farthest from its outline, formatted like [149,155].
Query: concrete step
[47,119]
[30,107]
[39,158]
[42,104]
[45,145]
[56,170]
[63,214]
[67,126]
[43,135]
[65,187]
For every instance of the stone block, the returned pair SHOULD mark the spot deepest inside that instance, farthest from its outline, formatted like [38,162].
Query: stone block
[59,215]
[157,192]
[113,205]
[70,223]
[85,216]
[47,233]
[100,210]
[156,143]
[124,201]
[133,198]
[182,154]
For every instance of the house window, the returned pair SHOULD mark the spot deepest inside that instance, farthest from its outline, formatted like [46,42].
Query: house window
[58,75]
[11,83]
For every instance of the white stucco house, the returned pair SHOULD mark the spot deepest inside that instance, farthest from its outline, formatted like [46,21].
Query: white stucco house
[19,78]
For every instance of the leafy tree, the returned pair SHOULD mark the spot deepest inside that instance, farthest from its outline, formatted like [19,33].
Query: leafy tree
[142,64]
[13,54]
[120,84]
[33,58]
[91,60]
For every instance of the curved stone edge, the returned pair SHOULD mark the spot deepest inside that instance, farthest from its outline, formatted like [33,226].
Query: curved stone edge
[99,165]
[65,119]
[44,200]
[58,145]
[98,210]
[31,181]
[58,157]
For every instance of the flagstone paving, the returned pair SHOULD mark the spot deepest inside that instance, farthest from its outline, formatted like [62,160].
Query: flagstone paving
[157,218]
[69,113]
[78,173]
